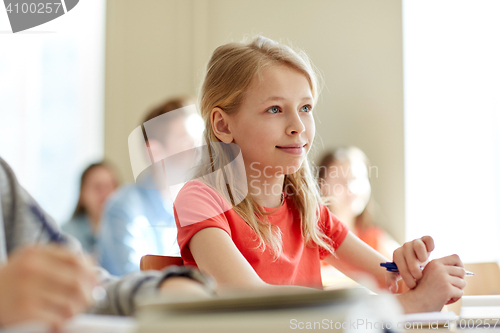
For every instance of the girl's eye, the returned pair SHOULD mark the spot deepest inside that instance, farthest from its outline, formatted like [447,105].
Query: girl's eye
[273,109]
[306,108]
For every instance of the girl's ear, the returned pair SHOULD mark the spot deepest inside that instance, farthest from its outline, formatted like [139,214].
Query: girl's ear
[220,125]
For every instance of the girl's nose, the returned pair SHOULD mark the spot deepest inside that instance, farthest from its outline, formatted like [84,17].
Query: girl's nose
[295,126]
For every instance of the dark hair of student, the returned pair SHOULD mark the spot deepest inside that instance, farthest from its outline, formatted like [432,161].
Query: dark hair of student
[156,129]
[80,209]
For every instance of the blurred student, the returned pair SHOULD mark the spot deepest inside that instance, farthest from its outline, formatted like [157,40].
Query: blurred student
[97,182]
[138,219]
[48,283]
[344,180]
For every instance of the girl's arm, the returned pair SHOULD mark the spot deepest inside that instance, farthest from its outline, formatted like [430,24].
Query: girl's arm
[354,257]
[215,253]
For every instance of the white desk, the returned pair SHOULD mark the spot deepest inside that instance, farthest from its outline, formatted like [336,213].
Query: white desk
[82,324]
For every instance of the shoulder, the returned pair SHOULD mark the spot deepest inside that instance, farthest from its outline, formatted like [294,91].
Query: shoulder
[196,185]
[197,202]
[327,220]
[196,191]
[325,214]
[332,227]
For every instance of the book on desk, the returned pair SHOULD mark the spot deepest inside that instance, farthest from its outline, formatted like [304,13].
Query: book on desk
[346,310]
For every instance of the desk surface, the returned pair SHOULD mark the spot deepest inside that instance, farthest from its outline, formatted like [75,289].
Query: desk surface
[82,324]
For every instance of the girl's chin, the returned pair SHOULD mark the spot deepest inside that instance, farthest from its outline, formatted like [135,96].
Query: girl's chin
[291,169]
[271,169]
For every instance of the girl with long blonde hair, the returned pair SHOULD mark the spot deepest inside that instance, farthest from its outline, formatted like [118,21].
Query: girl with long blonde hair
[253,217]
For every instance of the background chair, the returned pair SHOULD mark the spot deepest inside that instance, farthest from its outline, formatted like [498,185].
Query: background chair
[155,262]
[486,280]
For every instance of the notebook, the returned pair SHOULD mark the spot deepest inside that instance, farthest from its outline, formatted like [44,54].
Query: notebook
[480,311]
[347,310]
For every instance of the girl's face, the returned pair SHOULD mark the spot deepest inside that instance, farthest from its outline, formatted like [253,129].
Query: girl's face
[98,185]
[274,126]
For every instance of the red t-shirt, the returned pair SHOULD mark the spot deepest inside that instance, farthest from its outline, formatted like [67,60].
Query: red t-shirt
[198,206]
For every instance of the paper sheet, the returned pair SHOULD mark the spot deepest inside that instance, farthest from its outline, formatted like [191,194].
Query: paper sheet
[430,317]
[82,324]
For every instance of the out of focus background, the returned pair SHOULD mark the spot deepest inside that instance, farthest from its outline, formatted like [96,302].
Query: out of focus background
[415,84]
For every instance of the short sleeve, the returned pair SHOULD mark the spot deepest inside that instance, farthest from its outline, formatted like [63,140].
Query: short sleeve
[334,230]
[196,207]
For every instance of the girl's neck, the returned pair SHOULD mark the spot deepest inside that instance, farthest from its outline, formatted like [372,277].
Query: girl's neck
[267,191]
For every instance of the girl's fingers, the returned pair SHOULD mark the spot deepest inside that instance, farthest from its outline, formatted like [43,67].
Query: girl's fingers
[63,275]
[399,259]
[80,266]
[456,294]
[458,282]
[453,260]
[429,243]
[420,250]
[412,262]
[456,271]
[65,282]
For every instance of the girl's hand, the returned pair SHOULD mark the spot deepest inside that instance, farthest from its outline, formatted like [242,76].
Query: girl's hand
[409,258]
[442,283]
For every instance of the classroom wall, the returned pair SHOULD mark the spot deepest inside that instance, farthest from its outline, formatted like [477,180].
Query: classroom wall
[158,48]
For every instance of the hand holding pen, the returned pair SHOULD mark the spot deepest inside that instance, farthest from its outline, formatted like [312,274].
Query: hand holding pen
[408,259]
[46,283]
[440,282]
[98,292]
[392,267]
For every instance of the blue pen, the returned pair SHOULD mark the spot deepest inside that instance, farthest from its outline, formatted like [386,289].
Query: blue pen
[392,267]
[54,235]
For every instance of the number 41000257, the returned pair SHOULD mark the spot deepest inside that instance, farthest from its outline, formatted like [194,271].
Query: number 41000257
[34,8]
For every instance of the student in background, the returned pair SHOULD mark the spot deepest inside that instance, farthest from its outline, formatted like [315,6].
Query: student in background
[344,181]
[260,97]
[49,283]
[138,218]
[97,182]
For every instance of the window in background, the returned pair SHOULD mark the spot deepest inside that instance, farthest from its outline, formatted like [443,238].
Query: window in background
[452,125]
[51,103]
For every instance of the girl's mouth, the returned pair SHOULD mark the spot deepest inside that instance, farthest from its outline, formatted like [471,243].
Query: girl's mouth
[294,149]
